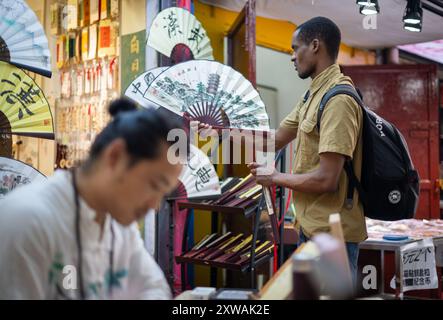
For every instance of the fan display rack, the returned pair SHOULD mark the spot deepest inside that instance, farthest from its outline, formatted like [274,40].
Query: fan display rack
[215,210]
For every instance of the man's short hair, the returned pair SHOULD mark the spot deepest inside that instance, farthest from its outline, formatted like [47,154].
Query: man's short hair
[323,29]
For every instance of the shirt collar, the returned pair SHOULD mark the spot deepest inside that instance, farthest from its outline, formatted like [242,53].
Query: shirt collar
[329,73]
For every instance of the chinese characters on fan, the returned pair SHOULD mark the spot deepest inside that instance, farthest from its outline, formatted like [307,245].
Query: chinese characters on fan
[172,25]
[22,92]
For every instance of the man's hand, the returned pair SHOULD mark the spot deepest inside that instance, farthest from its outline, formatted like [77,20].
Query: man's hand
[203,129]
[264,175]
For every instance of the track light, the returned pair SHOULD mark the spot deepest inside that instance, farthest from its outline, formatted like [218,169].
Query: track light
[367,3]
[413,12]
[366,10]
[414,27]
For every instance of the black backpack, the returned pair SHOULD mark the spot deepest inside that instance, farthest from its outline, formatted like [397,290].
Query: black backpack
[389,186]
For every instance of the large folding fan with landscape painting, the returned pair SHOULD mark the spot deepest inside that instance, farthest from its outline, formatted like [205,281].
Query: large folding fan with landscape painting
[14,173]
[22,38]
[209,92]
[198,177]
[24,109]
[176,33]
[137,89]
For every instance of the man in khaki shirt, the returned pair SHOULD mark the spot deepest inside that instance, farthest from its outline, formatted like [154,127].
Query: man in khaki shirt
[318,179]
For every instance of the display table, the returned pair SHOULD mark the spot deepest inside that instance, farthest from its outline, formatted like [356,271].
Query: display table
[382,247]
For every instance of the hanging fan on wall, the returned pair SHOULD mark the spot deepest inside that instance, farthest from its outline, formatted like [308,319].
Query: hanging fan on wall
[210,92]
[14,173]
[176,33]
[22,38]
[198,177]
[137,89]
[24,109]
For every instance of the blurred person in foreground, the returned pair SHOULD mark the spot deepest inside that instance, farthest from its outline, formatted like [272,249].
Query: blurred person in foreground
[75,235]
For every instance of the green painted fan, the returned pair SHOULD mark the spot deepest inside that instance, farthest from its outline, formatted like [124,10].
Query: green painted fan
[22,38]
[209,92]
[24,109]
[176,33]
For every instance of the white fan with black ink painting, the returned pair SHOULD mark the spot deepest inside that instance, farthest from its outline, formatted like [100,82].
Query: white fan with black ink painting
[137,89]
[210,92]
[14,173]
[176,33]
[198,177]
[22,38]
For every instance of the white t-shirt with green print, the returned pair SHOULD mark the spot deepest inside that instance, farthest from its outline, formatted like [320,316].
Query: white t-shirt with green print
[38,250]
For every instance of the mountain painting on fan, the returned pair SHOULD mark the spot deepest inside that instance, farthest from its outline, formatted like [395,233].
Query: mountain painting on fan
[210,92]
[22,38]
[137,89]
[24,109]
[176,33]
[14,173]
[198,178]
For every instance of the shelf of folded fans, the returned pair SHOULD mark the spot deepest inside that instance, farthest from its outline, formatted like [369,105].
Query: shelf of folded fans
[239,196]
[228,251]
[243,267]
[205,206]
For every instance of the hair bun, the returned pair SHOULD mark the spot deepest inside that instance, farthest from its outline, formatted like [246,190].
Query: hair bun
[121,105]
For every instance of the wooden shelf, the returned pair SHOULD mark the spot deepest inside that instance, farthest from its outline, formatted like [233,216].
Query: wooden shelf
[224,265]
[247,212]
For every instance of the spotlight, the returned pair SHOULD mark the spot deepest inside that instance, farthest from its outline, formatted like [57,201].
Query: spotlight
[369,10]
[414,27]
[367,3]
[413,12]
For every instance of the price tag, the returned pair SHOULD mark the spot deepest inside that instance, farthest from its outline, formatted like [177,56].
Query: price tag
[418,267]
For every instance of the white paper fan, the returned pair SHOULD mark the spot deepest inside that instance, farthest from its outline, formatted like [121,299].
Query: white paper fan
[137,89]
[178,34]
[14,173]
[210,92]
[198,177]
[22,38]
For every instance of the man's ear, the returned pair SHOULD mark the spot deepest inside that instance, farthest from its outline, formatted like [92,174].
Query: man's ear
[115,153]
[315,45]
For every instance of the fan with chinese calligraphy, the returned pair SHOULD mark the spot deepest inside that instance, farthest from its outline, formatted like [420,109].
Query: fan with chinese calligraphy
[198,178]
[176,33]
[24,109]
[210,92]
[137,89]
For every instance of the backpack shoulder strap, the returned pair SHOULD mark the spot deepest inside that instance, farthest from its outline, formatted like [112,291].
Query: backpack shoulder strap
[353,180]
[338,89]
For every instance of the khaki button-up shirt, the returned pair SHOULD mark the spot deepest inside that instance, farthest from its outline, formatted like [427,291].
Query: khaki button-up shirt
[340,132]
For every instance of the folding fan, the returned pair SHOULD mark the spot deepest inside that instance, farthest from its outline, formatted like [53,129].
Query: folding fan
[137,89]
[14,173]
[198,177]
[176,33]
[23,106]
[210,92]
[22,39]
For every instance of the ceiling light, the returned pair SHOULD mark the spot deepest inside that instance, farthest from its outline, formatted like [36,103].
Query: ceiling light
[413,12]
[369,10]
[367,3]
[414,27]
